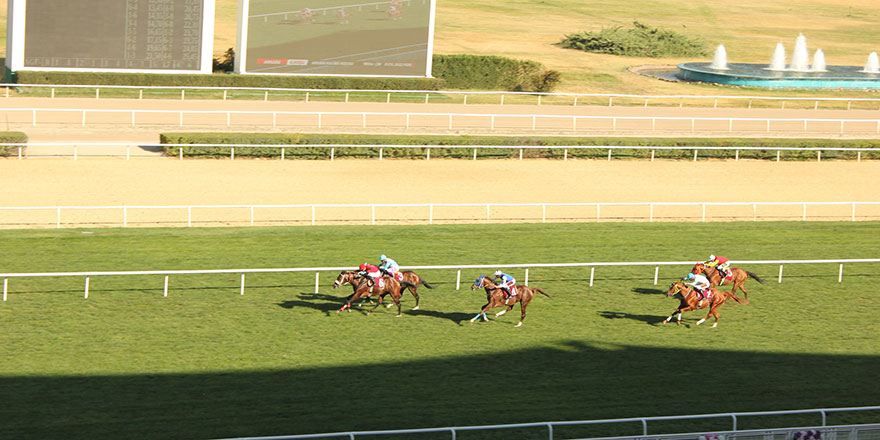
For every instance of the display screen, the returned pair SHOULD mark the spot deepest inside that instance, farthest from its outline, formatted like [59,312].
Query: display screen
[114,34]
[338,37]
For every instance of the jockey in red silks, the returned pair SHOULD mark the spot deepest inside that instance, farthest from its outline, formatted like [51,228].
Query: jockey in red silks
[722,264]
[506,283]
[372,273]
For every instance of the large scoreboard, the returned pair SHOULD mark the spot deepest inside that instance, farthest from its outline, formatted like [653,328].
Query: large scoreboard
[335,37]
[159,36]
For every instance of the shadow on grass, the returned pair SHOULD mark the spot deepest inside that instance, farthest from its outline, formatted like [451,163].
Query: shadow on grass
[648,319]
[571,380]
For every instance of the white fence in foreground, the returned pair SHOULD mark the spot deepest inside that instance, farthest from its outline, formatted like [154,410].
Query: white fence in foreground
[458,268]
[444,95]
[835,432]
[428,213]
[437,121]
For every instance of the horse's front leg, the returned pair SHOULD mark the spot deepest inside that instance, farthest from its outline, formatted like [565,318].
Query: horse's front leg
[348,301]
[378,303]
[482,313]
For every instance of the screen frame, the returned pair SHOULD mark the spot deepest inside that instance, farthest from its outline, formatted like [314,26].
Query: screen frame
[15,44]
[241,48]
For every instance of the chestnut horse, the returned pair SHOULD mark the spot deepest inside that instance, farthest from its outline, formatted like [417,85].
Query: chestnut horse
[364,289]
[739,277]
[410,277]
[690,302]
[495,298]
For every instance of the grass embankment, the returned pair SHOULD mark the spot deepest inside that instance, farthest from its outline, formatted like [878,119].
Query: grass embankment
[206,362]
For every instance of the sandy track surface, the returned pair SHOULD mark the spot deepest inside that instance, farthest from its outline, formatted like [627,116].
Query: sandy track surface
[167,181]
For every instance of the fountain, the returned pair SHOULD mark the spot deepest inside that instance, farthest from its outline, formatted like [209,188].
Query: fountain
[800,59]
[719,61]
[873,64]
[798,74]
[818,62]
[777,62]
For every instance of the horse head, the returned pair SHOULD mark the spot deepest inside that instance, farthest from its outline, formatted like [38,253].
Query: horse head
[344,278]
[478,284]
[674,288]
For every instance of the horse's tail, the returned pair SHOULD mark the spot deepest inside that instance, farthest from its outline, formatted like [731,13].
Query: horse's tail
[752,275]
[425,283]
[538,289]
[405,284]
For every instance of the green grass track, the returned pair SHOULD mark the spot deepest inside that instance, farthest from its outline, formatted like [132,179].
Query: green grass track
[206,362]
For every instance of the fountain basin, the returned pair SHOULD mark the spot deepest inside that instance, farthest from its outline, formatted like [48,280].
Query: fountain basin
[759,75]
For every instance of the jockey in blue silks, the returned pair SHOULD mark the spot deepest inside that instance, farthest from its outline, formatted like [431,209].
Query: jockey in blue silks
[388,265]
[505,283]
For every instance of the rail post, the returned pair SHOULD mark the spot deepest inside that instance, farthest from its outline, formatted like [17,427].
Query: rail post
[527,277]
[651,213]
[5,287]
[86,294]
[853,212]
[313,215]
[58,218]
[780,274]
[84,119]
[704,212]
[165,289]
[317,279]
[543,213]
[124,216]
[592,272]
[242,284]
[656,274]
[840,274]
[372,214]
[430,214]
[458,280]
[189,216]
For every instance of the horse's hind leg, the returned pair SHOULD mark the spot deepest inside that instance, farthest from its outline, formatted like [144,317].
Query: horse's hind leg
[522,317]
[415,293]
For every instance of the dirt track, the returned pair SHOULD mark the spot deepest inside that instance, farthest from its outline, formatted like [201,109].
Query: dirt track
[164,181]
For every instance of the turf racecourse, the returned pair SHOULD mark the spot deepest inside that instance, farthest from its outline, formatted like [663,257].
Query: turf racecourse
[206,362]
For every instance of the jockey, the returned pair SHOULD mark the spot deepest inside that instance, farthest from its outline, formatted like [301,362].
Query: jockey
[722,264]
[371,272]
[700,282]
[389,266]
[506,284]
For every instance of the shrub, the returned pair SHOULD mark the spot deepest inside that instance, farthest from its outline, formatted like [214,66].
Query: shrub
[640,41]
[12,137]
[493,73]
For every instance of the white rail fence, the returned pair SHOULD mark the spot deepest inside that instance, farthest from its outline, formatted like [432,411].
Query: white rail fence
[834,432]
[317,270]
[427,95]
[115,149]
[439,120]
[428,213]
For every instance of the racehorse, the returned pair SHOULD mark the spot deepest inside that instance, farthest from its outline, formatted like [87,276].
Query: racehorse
[412,279]
[690,302]
[495,298]
[739,277]
[390,286]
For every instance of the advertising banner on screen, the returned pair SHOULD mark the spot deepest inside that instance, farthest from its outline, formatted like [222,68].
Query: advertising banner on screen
[335,37]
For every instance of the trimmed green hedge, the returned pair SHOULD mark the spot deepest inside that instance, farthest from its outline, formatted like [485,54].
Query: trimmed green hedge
[12,137]
[493,73]
[769,145]
[231,80]
[450,72]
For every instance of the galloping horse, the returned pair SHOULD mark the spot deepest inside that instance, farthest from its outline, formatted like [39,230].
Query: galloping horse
[364,289]
[495,298]
[690,302]
[739,277]
[412,279]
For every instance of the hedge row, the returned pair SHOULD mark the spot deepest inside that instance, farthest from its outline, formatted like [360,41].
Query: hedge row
[450,72]
[12,137]
[493,73]
[640,41]
[768,152]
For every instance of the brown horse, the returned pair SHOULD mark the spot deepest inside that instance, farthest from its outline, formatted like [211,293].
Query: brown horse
[495,298]
[739,277]
[690,302]
[390,286]
[412,279]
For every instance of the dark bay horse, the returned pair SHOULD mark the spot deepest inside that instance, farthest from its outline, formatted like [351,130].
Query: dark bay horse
[495,298]
[390,286]
[739,277]
[690,302]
